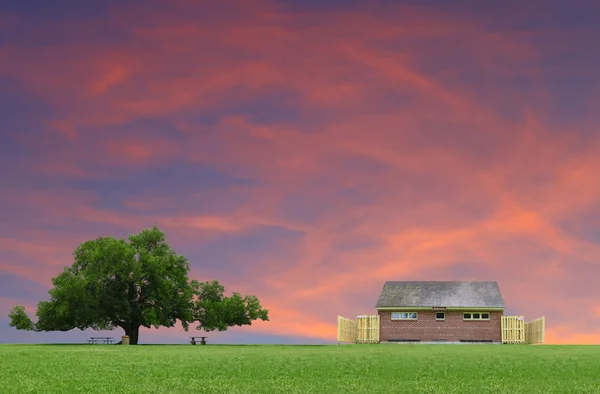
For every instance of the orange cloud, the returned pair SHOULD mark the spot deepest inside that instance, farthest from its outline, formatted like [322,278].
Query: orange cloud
[115,74]
[562,334]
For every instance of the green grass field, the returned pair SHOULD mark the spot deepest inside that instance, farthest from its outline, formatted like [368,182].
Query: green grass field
[299,369]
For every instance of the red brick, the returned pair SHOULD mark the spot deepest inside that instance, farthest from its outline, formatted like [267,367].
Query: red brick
[453,329]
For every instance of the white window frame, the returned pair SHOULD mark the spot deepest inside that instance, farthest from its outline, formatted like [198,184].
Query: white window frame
[404,315]
[480,318]
[438,319]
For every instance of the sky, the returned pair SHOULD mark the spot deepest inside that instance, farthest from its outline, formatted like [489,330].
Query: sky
[307,151]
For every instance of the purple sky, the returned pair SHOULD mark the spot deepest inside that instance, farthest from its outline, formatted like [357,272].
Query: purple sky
[308,151]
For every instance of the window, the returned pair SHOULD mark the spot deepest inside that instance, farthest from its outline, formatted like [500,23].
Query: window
[440,316]
[476,316]
[404,315]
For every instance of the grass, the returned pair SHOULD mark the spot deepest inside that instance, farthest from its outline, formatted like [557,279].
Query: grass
[299,369]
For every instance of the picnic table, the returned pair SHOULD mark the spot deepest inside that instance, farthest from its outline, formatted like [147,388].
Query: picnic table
[94,340]
[202,340]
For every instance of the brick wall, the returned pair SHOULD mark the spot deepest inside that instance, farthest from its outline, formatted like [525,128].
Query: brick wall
[452,329]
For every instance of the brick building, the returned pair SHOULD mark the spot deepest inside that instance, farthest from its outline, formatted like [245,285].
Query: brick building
[440,312]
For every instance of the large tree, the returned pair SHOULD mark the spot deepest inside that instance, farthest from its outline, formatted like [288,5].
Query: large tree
[141,283]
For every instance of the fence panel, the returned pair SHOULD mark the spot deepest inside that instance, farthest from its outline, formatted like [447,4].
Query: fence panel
[367,329]
[535,330]
[346,330]
[513,329]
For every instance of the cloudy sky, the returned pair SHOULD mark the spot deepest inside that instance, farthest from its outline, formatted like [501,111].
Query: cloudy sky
[307,151]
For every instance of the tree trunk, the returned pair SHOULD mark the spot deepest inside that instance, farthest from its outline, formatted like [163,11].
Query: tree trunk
[133,334]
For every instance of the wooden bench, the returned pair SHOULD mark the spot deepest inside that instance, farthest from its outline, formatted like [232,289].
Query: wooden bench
[202,340]
[95,340]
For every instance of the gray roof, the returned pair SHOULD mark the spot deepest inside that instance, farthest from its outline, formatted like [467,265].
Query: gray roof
[442,294]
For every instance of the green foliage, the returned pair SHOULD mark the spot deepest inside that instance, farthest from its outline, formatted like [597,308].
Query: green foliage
[214,311]
[20,319]
[141,283]
[299,369]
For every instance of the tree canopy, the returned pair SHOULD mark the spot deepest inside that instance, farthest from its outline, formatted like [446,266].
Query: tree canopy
[141,283]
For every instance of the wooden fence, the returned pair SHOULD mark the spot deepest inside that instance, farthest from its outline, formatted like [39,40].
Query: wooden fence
[513,329]
[516,330]
[535,330]
[367,329]
[346,330]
